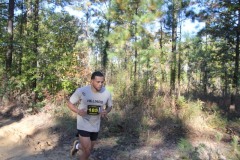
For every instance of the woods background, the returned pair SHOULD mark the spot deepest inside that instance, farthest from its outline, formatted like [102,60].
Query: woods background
[166,83]
[139,45]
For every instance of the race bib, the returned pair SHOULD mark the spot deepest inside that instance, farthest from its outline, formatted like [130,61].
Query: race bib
[93,110]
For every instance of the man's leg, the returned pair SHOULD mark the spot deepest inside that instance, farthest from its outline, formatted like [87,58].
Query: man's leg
[86,146]
[92,144]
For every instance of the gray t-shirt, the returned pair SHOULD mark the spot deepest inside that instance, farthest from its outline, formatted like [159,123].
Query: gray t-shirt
[93,103]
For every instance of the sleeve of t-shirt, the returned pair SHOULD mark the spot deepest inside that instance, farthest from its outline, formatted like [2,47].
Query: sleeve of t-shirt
[76,96]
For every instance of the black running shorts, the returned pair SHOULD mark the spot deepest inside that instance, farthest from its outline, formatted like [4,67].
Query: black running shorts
[93,135]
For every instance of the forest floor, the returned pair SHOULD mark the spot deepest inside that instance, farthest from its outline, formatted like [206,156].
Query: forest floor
[42,136]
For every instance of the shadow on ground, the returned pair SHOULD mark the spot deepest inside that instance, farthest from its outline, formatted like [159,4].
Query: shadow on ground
[50,139]
[121,137]
[127,140]
[9,114]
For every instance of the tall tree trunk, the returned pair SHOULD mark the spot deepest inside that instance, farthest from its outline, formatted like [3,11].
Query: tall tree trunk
[161,56]
[236,70]
[9,53]
[205,71]
[106,46]
[226,82]
[87,19]
[174,48]
[135,68]
[35,44]
[135,54]
[23,18]
[179,63]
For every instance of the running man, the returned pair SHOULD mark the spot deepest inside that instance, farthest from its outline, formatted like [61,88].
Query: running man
[92,99]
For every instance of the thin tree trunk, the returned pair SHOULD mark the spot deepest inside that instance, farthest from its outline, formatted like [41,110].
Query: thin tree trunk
[135,70]
[23,18]
[226,83]
[161,56]
[9,53]
[236,70]
[174,48]
[179,63]
[35,46]
[10,33]
[106,46]
[135,56]
[205,71]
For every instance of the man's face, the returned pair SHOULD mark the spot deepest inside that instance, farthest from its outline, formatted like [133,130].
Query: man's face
[97,83]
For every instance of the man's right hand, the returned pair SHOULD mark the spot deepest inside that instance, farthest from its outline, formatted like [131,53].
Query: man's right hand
[82,112]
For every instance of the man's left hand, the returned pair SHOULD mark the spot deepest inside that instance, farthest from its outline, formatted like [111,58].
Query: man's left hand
[104,113]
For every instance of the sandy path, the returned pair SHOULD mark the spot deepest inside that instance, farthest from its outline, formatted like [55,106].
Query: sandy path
[44,137]
[32,137]
[35,137]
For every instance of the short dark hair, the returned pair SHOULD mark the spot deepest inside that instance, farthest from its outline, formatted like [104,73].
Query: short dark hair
[97,73]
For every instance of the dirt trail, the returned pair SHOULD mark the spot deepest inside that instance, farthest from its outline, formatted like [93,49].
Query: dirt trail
[36,137]
[39,137]
[31,138]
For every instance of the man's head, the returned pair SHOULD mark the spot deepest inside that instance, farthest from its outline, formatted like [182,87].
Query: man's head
[97,80]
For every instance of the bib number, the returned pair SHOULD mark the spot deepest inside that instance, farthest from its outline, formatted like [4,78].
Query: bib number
[93,110]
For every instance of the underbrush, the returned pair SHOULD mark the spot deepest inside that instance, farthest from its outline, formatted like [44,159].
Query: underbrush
[198,129]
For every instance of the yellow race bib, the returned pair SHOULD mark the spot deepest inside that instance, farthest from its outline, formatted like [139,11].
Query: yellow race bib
[93,110]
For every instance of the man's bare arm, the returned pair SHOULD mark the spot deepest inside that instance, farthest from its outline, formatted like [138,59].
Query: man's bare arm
[80,112]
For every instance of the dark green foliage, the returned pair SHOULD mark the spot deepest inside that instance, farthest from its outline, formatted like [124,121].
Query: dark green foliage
[43,50]
[139,40]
